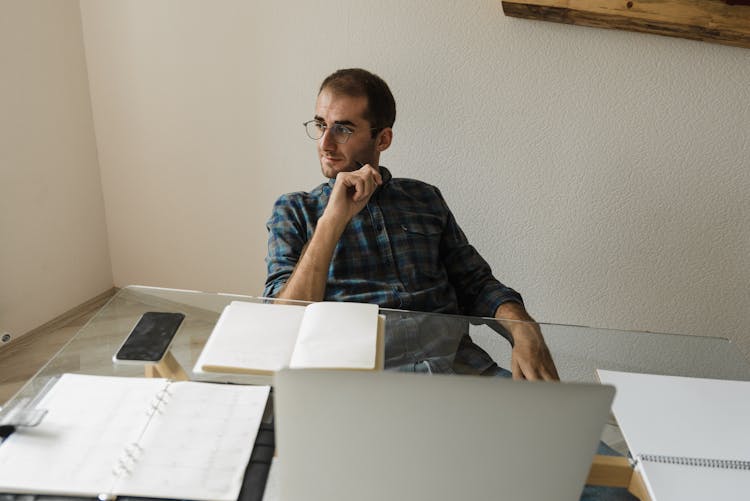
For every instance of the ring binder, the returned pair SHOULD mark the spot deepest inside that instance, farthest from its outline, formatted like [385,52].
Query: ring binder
[96,440]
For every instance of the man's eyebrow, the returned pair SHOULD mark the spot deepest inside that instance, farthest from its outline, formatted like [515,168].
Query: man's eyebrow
[348,123]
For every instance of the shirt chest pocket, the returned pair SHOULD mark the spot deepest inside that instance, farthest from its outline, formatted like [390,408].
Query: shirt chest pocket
[425,229]
[418,251]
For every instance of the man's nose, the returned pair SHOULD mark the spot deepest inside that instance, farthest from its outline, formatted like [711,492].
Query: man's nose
[326,140]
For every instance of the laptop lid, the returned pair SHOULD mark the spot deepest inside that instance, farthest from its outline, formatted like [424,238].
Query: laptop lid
[344,435]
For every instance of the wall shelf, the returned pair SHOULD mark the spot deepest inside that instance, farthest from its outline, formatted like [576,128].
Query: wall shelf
[708,20]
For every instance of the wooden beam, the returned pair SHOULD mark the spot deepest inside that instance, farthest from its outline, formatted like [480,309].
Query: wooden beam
[706,20]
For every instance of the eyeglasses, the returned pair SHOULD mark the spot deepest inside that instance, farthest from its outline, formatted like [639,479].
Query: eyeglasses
[315,130]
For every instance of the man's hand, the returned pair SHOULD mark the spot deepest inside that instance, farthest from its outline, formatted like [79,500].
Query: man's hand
[530,358]
[351,192]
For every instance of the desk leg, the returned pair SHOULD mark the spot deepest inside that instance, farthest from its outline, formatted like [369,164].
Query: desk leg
[637,488]
[610,471]
[615,471]
[168,368]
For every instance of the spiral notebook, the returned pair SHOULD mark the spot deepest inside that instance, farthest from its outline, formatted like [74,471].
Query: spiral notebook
[689,437]
[136,437]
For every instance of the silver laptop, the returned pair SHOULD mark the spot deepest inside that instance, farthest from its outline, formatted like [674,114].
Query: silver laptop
[344,435]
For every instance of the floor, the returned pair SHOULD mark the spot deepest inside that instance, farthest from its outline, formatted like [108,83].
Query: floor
[20,360]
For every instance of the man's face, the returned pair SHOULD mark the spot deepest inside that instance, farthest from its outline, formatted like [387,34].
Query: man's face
[331,109]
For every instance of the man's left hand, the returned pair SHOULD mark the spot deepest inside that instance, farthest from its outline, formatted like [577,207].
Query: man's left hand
[530,359]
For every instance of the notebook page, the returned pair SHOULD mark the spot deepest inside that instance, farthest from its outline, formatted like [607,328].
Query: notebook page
[251,337]
[90,420]
[337,335]
[682,416]
[198,444]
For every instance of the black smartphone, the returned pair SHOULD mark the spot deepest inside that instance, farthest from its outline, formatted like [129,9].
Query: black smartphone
[150,338]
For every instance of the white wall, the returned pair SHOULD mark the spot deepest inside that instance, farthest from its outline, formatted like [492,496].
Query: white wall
[53,242]
[604,174]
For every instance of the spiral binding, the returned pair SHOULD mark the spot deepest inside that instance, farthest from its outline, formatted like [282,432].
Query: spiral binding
[727,464]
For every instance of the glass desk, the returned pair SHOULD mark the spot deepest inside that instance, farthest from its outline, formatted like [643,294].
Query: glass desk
[419,342]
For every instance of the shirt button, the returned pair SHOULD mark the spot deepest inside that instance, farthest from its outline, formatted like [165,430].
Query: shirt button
[379,227]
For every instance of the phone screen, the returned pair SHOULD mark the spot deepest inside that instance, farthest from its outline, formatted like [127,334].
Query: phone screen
[150,338]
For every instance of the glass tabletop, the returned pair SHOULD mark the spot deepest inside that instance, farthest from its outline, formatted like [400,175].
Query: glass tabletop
[414,341]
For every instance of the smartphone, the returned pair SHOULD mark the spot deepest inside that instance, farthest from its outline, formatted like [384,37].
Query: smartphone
[149,340]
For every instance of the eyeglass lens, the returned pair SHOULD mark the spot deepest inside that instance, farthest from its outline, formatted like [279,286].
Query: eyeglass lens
[315,130]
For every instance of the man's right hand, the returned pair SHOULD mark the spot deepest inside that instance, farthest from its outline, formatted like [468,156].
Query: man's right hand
[350,194]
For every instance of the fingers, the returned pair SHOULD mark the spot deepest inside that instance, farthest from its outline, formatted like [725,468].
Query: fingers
[364,186]
[530,358]
[351,192]
[533,367]
[362,182]
[525,371]
[550,372]
[515,368]
[371,176]
[368,170]
[375,174]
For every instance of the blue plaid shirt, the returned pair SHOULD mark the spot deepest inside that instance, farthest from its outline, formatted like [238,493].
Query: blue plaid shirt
[403,250]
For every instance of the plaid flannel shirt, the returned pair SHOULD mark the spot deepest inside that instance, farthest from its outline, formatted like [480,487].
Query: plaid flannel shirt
[404,250]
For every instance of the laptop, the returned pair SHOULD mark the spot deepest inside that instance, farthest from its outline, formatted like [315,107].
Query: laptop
[346,435]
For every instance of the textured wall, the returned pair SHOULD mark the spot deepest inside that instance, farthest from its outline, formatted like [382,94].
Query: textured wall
[604,174]
[53,238]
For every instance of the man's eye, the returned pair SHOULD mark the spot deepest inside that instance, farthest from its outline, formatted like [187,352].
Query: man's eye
[340,129]
[319,126]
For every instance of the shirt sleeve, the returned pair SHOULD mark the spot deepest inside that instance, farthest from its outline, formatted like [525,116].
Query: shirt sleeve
[479,292]
[287,236]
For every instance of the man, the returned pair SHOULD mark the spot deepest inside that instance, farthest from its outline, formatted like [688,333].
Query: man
[365,236]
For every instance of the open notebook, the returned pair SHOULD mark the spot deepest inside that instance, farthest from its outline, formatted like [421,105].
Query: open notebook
[385,435]
[258,339]
[136,437]
[690,437]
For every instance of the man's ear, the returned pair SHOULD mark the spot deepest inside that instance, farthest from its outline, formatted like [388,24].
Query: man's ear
[384,139]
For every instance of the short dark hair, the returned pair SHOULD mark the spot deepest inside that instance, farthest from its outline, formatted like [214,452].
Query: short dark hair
[356,82]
